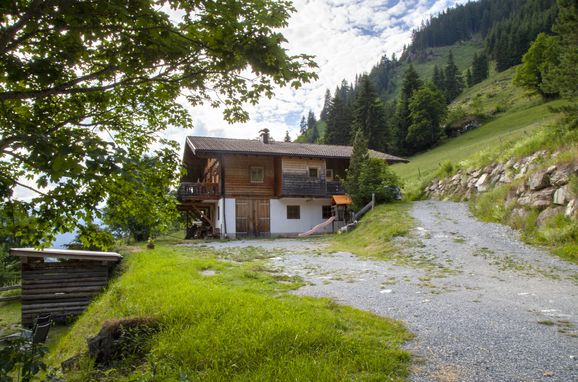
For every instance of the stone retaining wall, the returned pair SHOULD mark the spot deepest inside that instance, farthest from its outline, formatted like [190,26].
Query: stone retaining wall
[532,186]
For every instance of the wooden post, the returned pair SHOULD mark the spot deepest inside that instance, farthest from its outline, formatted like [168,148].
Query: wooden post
[372,201]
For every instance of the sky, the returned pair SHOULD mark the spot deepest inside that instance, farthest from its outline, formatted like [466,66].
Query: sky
[347,38]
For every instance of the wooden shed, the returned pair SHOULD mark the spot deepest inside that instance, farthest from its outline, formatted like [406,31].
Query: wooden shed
[61,282]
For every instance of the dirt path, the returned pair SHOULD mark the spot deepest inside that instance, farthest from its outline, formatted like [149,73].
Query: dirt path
[483,306]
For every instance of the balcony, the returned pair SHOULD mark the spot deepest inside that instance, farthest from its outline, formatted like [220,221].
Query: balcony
[335,188]
[198,191]
[302,185]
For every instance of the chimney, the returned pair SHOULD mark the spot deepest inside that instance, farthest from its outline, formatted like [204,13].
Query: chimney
[264,136]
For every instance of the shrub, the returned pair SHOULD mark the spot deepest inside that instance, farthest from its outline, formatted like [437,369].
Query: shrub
[375,178]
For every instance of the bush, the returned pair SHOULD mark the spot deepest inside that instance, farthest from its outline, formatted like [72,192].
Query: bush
[375,178]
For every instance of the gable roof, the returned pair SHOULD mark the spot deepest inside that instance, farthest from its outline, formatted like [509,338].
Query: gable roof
[212,145]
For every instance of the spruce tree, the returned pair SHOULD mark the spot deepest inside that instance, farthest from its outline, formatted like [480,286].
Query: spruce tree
[438,78]
[311,120]
[302,126]
[338,120]
[411,83]
[326,106]
[453,79]
[369,115]
[287,137]
[359,156]
[469,79]
[427,110]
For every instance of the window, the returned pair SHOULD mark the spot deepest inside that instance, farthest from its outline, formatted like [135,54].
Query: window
[329,174]
[293,212]
[257,174]
[313,172]
[326,212]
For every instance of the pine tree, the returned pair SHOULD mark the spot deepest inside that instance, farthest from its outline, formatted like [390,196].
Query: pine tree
[311,120]
[302,126]
[359,156]
[454,82]
[564,76]
[339,120]
[313,134]
[326,106]
[287,137]
[411,83]
[438,78]
[369,115]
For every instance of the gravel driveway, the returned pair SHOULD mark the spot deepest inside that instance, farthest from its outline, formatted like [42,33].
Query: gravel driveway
[483,305]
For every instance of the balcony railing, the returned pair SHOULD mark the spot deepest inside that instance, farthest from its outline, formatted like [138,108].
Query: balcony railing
[334,187]
[190,190]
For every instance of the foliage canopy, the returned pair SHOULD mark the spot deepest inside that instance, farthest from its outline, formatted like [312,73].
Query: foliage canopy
[86,88]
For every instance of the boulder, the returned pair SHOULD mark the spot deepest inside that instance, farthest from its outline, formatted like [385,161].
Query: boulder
[551,169]
[482,183]
[548,213]
[539,180]
[561,176]
[538,200]
[572,209]
[505,178]
[563,195]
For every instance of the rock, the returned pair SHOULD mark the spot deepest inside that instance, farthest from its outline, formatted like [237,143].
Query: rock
[551,169]
[561,176]
[497,170]
[572,209]
[519,214]
[505,178]
[563,195]
[539,180]
[548,213]
[538,200]
[482,183]
[509,163]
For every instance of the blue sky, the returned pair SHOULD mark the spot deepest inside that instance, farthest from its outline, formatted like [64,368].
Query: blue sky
[347,37]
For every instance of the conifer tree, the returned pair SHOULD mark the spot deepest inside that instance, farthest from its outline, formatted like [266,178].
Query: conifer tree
[339,119]
[427,110]
[438,78]
[326,106]
[359,156]
[311,120]
[287,137]
[302,126]
[469,79]
[454,82]
[411,83]
[369,115]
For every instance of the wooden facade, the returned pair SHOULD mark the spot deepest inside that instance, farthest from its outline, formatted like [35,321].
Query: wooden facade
[61,282]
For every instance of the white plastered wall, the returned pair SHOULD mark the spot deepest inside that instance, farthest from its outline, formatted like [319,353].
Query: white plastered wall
[311,215]
[229,211]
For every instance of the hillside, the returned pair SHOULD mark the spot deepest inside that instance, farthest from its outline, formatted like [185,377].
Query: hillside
[510,113]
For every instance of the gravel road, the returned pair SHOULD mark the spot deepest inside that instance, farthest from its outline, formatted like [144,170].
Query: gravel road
[483,305]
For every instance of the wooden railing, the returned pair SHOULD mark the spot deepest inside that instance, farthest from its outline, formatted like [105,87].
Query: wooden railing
[198,190]
[335,187]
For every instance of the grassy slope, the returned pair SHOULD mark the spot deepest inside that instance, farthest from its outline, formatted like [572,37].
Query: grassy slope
[526,126]
[520,118]
[373,237]
[237,325]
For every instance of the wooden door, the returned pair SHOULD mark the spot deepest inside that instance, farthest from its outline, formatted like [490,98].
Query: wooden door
[252,217]
[242,217]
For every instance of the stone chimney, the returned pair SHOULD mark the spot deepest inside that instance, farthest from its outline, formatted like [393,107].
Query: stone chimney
[265,138]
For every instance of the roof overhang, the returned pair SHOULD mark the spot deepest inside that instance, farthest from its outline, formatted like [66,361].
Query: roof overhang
[66,254]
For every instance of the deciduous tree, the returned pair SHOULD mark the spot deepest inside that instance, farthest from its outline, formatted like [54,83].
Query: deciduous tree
[87,86]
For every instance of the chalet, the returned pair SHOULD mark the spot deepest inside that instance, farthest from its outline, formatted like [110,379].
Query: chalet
[249,188]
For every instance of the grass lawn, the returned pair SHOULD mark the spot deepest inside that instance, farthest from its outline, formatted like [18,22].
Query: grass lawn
[9,317]
[508,127]
[238,324]
[373,236]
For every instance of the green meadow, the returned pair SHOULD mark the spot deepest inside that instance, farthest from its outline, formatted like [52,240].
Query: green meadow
[238,324]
